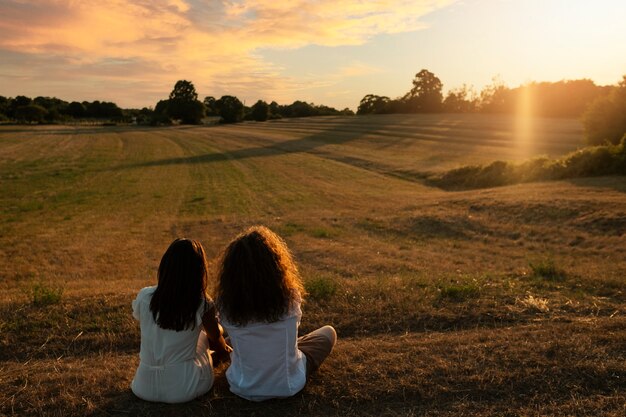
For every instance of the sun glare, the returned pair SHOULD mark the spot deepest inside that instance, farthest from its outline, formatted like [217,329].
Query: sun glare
[523,136]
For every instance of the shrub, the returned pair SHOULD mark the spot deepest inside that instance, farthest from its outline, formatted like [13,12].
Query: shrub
[605,159]
[458,292]
[321,288]
[43,295]
[545,268]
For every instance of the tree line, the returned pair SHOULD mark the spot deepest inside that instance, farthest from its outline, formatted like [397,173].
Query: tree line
[23,109]
[182,106]
[601,108]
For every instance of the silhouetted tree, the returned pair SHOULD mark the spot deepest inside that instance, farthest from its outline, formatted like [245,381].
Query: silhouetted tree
[425,96]
[30,113]
[274,110]
[209,104]
[373,104]
[230,109]
[260,111]
[497,98]
[460,100]
[183,103]
[76,110]
[4,107]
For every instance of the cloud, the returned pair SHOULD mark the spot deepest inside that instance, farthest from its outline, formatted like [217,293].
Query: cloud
[123,42]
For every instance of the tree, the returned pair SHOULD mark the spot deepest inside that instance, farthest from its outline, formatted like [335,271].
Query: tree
[496,98]
[260,111]
[183,103]
[160,114]
[30,113]
[230,109]
[460,100]
[184,90]
[4,106]
[76,110]
[425,96]
[373,104]
[209,104]
[274,110]
[605,118]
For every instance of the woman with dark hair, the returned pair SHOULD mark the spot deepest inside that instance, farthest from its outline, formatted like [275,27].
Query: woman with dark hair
[259,292]
[178,327]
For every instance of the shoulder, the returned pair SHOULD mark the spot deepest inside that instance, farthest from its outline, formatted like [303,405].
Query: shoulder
[145,294]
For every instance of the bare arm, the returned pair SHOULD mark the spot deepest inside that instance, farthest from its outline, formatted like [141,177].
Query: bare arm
[216,335]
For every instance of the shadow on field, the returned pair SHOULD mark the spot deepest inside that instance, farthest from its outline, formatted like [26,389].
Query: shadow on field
[615,183]
[337,134]
[55,130]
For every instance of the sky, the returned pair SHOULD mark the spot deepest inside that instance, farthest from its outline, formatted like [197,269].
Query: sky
[330,52]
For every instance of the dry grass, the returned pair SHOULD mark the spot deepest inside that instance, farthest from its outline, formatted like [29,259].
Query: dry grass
[505,301]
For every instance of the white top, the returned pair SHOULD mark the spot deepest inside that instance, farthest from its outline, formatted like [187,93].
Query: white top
[265,361]
[174,366]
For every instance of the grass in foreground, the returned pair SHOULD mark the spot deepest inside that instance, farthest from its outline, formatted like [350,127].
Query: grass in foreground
[438,309]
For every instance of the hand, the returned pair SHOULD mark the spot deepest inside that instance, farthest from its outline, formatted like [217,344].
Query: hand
[221,355]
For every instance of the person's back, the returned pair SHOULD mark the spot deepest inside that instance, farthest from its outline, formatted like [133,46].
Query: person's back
[259,293]
[266,362]
[174,365]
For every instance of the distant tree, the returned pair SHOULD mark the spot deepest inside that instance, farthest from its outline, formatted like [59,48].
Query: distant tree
[373,104]
[496,98]
[347,112]
[231,109]
[425,96]
[460,100]
[184,90]
[76,110]
[160,114]
[4,106]
[209,104]
[260,111]
[301,109]
[18,101]
[274,110]
[563,98]
[183,103]
[605,119]
[30,113]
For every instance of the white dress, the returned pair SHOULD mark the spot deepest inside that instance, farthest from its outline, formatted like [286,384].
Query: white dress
[265,361]
[174,366]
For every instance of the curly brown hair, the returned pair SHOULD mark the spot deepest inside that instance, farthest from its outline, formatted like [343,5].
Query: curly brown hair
[258,280]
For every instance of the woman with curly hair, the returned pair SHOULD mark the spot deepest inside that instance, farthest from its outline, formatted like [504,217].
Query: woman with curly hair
[258,297]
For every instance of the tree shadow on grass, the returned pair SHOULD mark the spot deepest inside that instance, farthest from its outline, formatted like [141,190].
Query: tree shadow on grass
[337,134]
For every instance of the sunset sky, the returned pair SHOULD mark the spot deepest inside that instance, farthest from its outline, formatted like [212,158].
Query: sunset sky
[329,52]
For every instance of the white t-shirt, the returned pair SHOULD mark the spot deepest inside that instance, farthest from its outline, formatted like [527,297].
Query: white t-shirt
[265,361]
[174,366]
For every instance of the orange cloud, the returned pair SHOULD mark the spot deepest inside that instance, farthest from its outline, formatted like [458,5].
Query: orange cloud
[213,43]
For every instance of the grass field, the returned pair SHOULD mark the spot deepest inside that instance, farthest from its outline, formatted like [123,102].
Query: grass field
[500,301]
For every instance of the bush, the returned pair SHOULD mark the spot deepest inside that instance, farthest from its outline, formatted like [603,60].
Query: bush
[321,288]
[43,295]
[545,268]
[588,162]
[458,293]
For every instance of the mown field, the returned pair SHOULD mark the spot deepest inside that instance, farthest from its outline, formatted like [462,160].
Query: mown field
[499,301]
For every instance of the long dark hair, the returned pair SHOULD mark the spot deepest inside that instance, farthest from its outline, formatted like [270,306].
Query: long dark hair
[182,285]
[258,281]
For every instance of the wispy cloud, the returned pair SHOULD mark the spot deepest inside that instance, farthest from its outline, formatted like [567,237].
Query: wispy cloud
[149,44]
